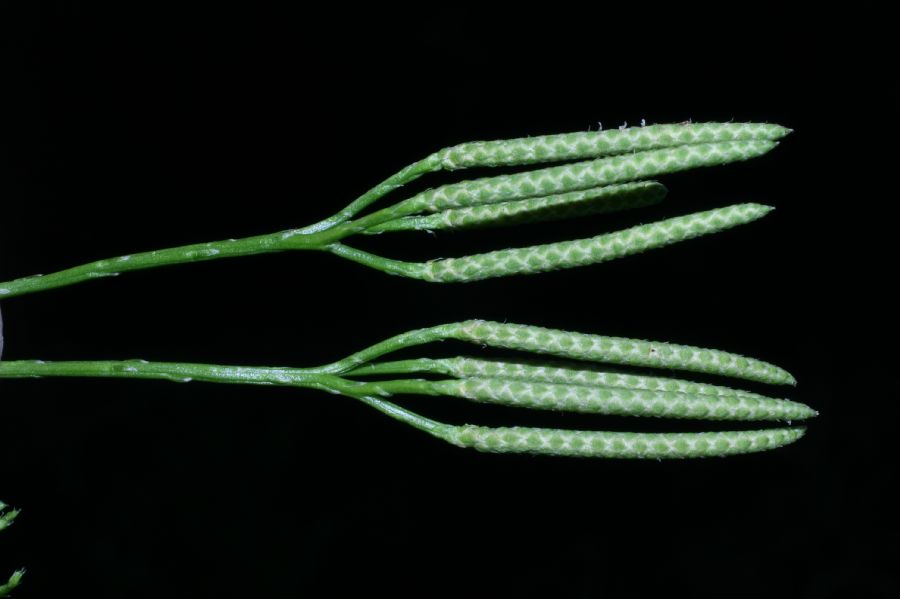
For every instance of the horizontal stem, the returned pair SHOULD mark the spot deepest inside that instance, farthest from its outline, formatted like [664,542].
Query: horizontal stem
[297,239]
[169,371]
[180,372]
[184,373]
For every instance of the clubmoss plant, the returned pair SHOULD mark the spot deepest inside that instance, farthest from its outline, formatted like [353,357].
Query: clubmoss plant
[604,171]
[605,177]
[573,385]
[6,519]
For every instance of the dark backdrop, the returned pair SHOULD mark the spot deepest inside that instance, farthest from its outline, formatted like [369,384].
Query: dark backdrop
[144,127]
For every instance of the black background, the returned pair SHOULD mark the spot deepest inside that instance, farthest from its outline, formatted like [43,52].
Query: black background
[145,127]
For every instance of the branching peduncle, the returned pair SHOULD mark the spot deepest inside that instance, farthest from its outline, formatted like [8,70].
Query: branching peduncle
[614,166]
[525,384]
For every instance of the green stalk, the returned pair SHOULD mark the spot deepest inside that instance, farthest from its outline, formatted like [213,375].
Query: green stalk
[437,429]
[180,372]
[407,175]
[200,252]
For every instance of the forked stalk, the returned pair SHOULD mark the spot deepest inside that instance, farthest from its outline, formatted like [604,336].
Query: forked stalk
[612,173]
[575,385]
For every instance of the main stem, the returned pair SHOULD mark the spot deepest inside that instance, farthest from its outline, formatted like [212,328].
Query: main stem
[181,372]
[323,235]
[179,255]
[317,237]
[168,371]
[313,378]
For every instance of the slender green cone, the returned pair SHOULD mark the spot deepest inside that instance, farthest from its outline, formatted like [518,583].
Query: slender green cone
[581,175]
[593,250]
[594,444]
[566,344]
[603,444]
[616,401]
[613,350]
[592,144]
[554,373]
[599,200]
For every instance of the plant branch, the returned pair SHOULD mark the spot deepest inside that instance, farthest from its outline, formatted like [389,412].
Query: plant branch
[610,162]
